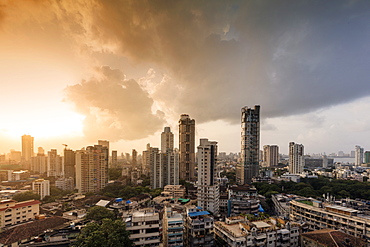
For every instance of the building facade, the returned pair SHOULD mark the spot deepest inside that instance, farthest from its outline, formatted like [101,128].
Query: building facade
[271,155]
[166,140]
[250,145]
[187,147]
[144,227]
[243,199]
[296,158]
[198,228]
[13,212]
[359,155]
[41,187]
[91,168]
[55,165]
[173,228]
[208,188]
[69,163]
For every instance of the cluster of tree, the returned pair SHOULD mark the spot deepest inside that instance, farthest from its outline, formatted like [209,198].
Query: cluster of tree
[310,187]
[231,176]
[126,192]
[104,230]
[55,193]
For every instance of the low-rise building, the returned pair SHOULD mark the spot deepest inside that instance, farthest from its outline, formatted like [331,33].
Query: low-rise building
[175,191]
[144,226]
[13,212]
[271,232]
[318,215]
[328,238]
[243,199]
[198,229]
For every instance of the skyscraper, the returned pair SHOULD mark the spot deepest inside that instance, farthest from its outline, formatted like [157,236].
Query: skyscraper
[271,155]
[187,147]
[27,150]
[296,158]
[359,155]
[208,189]
[250,145]
[91,168]
[166,140]
[39,163]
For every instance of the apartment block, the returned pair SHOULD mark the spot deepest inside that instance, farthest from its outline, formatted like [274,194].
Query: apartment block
[243,199]
[13,212]
[41,187]
[271,232]
[173,228]
[198,229]
[318,215]
[144,227]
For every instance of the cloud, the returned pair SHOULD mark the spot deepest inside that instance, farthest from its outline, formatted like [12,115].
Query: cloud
[115,108]
[290,57]
[210,58]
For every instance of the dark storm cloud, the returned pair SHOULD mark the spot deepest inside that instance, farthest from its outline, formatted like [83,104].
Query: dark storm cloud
[290,57]
[115,108]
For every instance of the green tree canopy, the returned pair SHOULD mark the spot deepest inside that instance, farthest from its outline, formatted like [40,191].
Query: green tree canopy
[25,196]
[98,213]
[110,233]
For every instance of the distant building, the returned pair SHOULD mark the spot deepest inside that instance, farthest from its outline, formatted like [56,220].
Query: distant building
[187,147]
[250,145]
[69,163]
[198,228]
[27,149]
[367,157]
[91,168]
[296,158]
[65,183]
[271,155]
[359,155]
[114,159]
[55,166]
[39,163]
[175,191]
[208,187]
[166,140]
[41,187]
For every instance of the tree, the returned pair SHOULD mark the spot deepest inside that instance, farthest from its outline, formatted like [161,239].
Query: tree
[107,234]
[25,196]
[98,213]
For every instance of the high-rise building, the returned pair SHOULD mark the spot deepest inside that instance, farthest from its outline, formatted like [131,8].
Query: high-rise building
[134,158]
[170,164]
[69,163]
[39,163]
[166,140]
[27,150]
[296,158]
[41,187]
[187,147]
[367,157]
[359,155]
[114,159]
[91,168]
[105,144]
[55,165]
[208,188]
[271,155]
[250,145]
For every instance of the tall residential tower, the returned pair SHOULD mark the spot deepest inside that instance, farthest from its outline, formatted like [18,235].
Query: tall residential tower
[187,147]
[296,158]
[166,140]
[250,145]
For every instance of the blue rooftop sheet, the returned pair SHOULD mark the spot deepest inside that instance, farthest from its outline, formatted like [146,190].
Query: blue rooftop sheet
[198,213]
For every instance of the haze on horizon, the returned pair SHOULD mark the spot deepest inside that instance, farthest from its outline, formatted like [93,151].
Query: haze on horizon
[76,71]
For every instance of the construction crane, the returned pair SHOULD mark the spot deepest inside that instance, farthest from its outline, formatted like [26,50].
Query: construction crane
[65,146]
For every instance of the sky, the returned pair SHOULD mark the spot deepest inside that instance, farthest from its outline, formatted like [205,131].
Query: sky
[74,71]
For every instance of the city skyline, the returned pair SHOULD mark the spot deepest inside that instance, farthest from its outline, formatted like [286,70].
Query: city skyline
[75,72]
